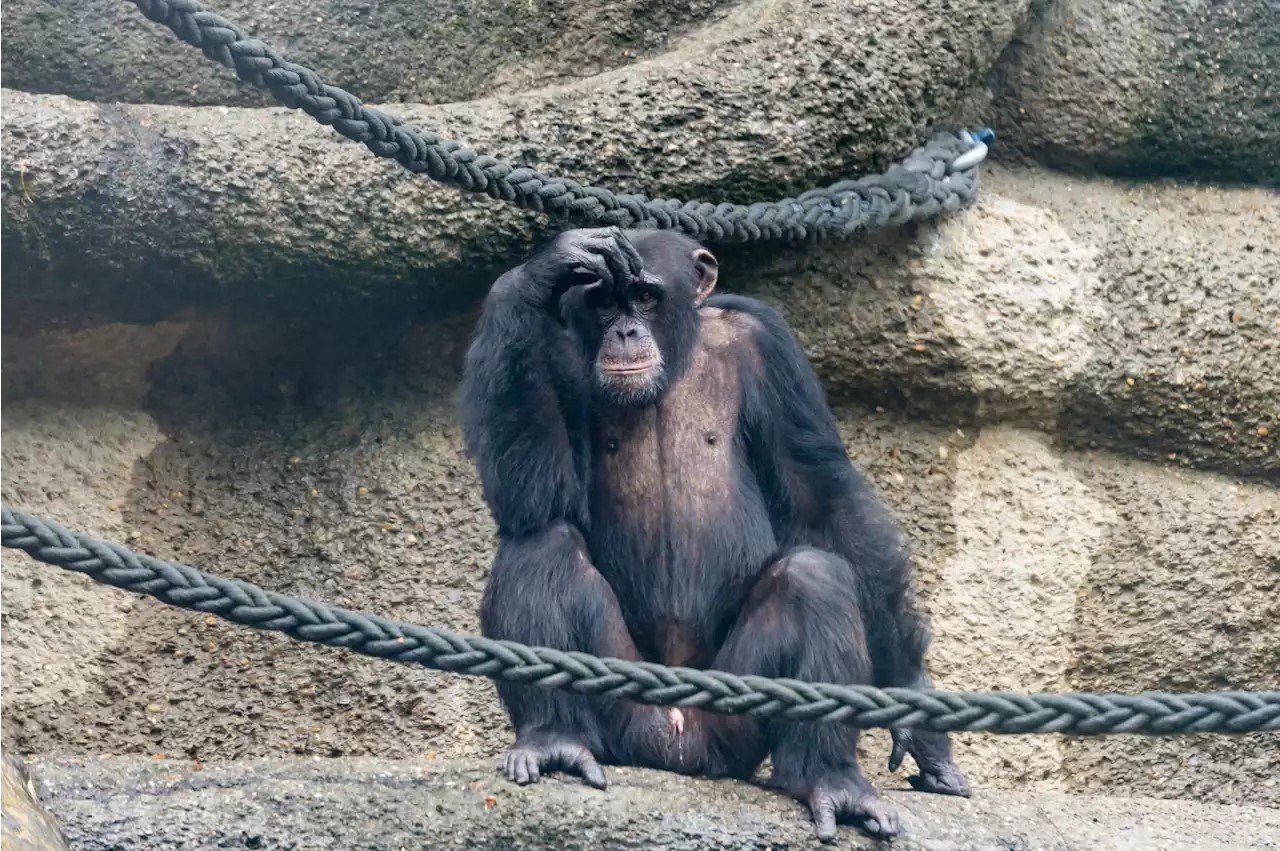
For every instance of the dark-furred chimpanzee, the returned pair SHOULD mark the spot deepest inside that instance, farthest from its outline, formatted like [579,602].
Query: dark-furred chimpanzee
[669,485]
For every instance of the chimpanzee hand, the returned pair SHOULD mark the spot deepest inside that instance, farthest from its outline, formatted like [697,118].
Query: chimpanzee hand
[581,257]
[843,797]
[538,752]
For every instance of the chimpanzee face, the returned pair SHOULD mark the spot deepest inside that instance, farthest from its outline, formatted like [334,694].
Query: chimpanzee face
[640,335]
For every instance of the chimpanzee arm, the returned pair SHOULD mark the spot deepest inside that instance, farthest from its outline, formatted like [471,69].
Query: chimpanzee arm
[525,387]
[816,497]
[524,412]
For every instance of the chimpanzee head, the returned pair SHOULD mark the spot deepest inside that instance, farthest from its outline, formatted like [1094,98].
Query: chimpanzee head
[640,333]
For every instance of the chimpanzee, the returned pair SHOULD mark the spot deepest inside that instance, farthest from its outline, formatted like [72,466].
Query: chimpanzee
[669,485]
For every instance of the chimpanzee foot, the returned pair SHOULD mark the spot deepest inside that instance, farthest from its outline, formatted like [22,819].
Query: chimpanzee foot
[939,773]
[537,753]
[845,797]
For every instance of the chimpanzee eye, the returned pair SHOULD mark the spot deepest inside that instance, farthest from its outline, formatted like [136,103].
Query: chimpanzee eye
[645,297]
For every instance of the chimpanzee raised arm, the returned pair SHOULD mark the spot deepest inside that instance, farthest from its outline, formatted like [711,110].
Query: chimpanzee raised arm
[526,384]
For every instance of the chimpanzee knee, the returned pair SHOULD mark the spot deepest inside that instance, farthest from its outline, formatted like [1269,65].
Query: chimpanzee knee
[806,605]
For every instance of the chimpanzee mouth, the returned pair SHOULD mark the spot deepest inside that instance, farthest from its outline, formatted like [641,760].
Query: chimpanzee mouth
[628,368]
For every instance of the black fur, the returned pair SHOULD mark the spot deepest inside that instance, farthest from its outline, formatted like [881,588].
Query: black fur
[802,575]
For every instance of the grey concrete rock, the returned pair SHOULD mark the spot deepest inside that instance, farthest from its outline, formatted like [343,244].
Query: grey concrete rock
[275,804]
[123,212]
[1146,88]
[107,51]
[322,458]
[27,825]
[1144,318]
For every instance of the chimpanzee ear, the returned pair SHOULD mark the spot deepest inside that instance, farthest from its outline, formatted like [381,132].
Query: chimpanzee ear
[708,272]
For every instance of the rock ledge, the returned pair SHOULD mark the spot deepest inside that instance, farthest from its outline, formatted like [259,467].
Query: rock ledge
[123,802]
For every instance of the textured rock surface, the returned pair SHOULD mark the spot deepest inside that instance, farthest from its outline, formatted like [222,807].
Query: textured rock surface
[125,210]
[386,52]
[322,458]
[28,826]
[108,804]
[1146,88]
[1144,318]
[233,340]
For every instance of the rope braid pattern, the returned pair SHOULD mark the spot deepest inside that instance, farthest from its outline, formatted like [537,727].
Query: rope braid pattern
[919,189]
[716,691]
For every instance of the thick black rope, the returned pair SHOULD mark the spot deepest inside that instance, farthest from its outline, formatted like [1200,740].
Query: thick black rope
[862,706]
[938,178]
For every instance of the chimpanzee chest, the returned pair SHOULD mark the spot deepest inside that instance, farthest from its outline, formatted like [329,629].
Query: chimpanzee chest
[679,526]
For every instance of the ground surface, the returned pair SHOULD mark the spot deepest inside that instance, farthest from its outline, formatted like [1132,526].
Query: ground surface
[373,804]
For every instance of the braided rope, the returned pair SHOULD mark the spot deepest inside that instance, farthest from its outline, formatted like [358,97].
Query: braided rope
[936,179]
[716,691]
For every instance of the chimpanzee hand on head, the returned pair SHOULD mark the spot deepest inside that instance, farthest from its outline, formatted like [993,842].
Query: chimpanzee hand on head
[581,258]
[637,321]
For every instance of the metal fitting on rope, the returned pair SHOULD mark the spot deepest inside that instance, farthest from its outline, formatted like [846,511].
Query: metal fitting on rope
[976,153]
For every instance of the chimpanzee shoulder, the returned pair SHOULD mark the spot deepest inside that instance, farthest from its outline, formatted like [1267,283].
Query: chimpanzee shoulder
[787,381]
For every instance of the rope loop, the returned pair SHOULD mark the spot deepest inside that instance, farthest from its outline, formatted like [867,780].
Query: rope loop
[716,691]
[940,177]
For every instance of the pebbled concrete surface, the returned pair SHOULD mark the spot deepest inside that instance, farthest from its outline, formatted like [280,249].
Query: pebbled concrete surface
[294,804]
[1145,88]
[102,50]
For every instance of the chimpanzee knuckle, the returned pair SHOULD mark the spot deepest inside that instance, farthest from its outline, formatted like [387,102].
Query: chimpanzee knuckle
[617,264]
[586,259]
[597,237]
[634,264]
[605,245]
[589,250]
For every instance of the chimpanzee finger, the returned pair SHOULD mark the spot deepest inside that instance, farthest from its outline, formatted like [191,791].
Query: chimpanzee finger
[635,265]
[592,264]
[896,755]
[873,815]
[617,262]
[518,769]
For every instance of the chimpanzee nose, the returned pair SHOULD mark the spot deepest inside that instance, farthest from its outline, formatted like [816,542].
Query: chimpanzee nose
[624,333]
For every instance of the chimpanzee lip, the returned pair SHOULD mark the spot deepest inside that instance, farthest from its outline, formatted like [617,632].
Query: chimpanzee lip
[628,369]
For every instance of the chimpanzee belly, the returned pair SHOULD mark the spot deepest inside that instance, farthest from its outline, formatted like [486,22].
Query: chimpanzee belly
[679,526]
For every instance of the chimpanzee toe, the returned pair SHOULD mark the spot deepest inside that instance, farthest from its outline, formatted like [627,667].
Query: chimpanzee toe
[940,783]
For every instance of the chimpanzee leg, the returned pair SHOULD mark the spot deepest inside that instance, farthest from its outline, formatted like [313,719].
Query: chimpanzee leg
[543,591]
[803,621]
[931,751]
